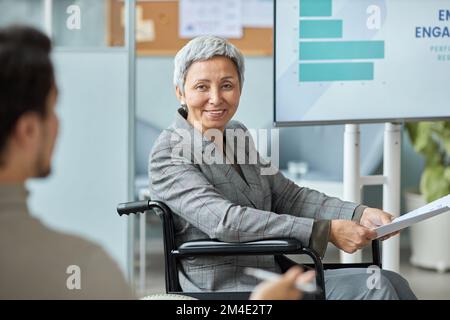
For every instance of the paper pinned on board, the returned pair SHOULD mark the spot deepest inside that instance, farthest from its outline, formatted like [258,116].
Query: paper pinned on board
[432,209]
[221,18]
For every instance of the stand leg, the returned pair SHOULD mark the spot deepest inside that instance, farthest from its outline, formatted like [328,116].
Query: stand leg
[142,252]
[352,186]
[48,21]
[391,191]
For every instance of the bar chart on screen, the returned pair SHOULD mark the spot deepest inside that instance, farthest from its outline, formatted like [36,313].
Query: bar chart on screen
[360,61]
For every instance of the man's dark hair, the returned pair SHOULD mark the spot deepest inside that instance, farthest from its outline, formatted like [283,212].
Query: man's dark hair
[26,76]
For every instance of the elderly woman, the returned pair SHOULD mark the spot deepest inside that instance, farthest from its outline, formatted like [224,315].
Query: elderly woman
[232,200]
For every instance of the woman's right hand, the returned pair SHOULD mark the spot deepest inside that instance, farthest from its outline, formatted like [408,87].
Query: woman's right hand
[350,235]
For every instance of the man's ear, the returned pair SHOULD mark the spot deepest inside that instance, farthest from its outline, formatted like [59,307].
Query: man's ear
[27,129]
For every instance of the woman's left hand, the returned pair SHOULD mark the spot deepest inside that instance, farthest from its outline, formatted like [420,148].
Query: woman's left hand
[373,218]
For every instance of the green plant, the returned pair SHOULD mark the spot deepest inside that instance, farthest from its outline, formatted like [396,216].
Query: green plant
[432,140]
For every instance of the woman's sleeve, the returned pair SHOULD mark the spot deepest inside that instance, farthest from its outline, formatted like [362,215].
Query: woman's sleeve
[184,188]
[288,197]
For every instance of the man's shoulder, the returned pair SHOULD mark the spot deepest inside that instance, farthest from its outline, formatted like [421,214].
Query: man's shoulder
[79,245]
[43,241]
[54,256]
[61,239]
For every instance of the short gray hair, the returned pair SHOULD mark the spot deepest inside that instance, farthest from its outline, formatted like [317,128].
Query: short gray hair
[204,48]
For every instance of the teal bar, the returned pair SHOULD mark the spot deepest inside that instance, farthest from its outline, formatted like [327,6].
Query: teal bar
[316,29]
[315,8]
[342,50]
[347,71]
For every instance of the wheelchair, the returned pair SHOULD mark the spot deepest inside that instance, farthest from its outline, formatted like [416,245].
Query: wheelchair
[277,247]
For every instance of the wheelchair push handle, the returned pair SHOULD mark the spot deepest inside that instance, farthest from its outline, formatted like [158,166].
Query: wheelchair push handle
[128,208]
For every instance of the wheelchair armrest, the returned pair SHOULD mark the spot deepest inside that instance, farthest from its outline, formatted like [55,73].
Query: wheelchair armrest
[262,247]
[215,247]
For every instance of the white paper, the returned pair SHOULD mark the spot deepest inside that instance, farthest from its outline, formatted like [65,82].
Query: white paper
[257,13]
[145,29]
[432,209]
[210,17]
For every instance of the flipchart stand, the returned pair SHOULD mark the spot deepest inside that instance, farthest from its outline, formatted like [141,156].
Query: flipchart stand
[353,183]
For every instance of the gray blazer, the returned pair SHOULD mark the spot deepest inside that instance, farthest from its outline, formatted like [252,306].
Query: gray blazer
[214,201]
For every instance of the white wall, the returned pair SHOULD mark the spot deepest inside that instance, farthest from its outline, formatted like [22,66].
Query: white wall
[90,163]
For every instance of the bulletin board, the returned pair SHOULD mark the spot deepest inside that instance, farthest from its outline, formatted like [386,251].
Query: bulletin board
[161,17]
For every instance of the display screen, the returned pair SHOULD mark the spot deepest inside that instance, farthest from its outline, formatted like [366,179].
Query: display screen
[356,61]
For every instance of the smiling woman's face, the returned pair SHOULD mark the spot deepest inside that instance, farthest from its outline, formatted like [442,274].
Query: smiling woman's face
[211,93]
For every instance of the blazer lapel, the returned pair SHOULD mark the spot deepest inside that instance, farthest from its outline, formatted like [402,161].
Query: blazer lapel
[205,151]
[235,179]
[250,186]
[252,177]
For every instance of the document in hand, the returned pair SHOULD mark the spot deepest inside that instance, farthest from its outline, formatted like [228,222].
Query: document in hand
[432,209]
